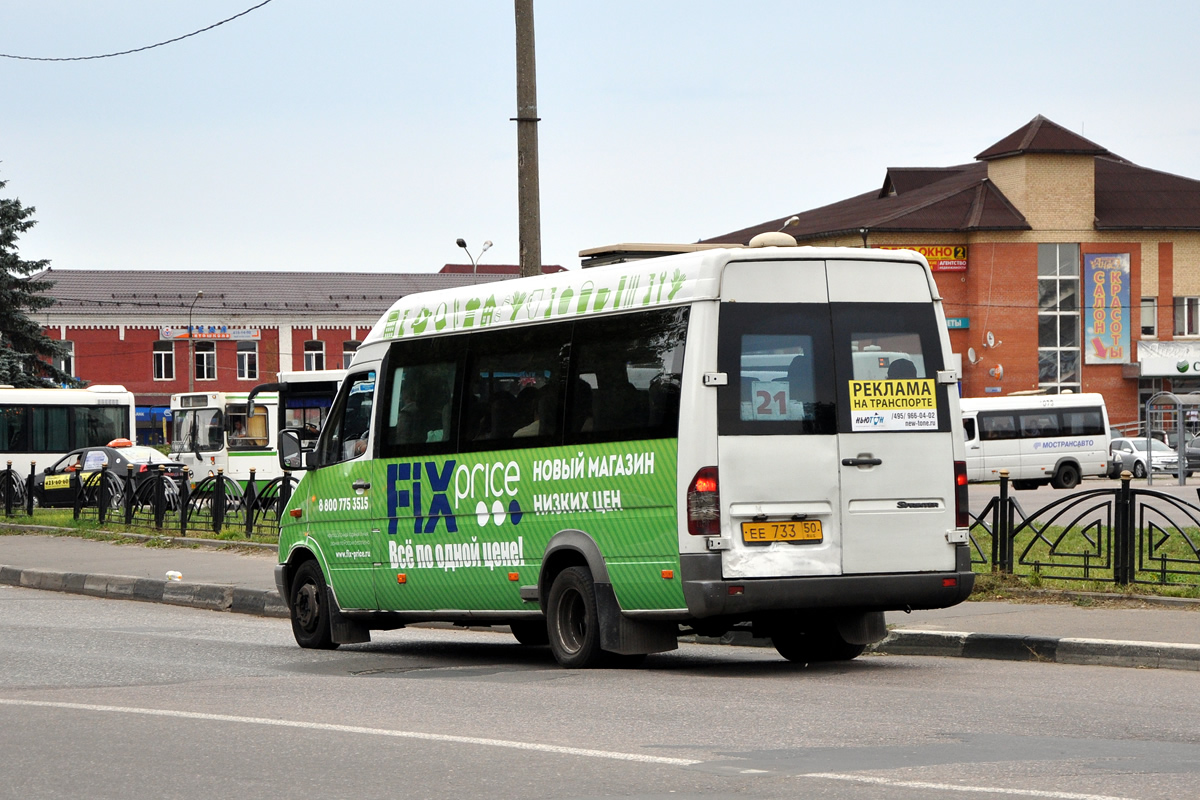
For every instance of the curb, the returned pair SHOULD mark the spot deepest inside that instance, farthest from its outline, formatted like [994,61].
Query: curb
[211,596]
[1058,650]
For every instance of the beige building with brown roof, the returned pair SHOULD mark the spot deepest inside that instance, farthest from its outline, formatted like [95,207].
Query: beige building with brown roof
[1064,267]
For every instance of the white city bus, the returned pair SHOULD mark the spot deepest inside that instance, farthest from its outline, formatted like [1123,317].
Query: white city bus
[760,439]
[43,425]
[237,432]
[1051,439]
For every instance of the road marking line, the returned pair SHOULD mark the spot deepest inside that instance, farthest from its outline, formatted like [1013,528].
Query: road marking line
[953,787]
[321,726]
[541,748]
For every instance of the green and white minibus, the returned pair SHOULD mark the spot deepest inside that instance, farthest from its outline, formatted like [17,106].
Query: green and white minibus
[760,439]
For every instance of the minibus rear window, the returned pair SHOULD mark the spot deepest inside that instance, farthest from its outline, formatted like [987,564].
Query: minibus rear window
[779,364]
[805,368]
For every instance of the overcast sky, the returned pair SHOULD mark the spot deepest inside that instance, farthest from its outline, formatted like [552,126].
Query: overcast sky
[367,135]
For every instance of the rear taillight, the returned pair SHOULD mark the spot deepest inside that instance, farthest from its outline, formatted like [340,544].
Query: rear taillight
[704,504]
[143,467]
[962,503]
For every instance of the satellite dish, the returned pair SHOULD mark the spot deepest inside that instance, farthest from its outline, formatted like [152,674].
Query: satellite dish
[990,339]
[972,356]
[997,372]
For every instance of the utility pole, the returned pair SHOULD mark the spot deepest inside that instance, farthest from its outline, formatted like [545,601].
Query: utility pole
[528,202]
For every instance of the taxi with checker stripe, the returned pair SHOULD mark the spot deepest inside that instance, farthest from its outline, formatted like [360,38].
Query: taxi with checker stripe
[53,487]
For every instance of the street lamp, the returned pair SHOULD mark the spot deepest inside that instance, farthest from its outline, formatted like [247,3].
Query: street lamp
[192,346]
[474,261]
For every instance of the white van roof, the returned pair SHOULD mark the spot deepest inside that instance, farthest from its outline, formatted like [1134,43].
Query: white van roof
[665,281]
[1072,400]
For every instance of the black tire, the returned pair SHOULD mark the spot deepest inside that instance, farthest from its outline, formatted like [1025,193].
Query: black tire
[572,621]
[1067,477]
[115,489]
[814,645]
[1139,469]
[530,634]
[310,609]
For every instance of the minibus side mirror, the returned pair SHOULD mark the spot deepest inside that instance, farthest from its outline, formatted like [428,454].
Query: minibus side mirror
[293,455]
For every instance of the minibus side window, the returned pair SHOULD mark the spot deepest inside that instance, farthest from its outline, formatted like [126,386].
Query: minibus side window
[514,390]
[1039,423]
[997,426]
[625,377]
[968,429]
[421,397]
[348,428]
[1084,422]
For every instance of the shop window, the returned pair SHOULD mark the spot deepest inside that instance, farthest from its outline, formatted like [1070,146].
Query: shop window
[348,351]
[1058,317]
[247,361]
[164,361]
[1187,316]
[314,355]
[206,361]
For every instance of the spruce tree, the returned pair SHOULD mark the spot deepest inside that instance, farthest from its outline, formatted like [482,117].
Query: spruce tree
[26,352]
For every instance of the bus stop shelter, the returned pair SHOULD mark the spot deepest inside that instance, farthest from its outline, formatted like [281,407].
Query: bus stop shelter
[1172,419]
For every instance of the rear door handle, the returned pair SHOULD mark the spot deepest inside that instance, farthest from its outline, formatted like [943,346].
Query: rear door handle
[861,462]
[360,486]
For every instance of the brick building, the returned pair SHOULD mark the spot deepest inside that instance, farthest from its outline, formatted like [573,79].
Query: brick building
[131,327]
[1063,266]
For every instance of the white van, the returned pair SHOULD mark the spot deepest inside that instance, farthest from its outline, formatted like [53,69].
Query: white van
[759,439]
[1040,439]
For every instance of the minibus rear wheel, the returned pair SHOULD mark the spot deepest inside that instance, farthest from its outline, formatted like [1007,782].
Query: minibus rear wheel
[573,623]
[1067,477]
[310,609]
[812,645]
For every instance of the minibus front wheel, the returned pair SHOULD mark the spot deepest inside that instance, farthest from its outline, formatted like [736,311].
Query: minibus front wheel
[310,608]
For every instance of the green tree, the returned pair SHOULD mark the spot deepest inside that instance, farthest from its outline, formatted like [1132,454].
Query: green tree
[26,352]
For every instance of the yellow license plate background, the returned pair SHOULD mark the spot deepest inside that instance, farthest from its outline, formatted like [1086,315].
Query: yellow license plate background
[806,530]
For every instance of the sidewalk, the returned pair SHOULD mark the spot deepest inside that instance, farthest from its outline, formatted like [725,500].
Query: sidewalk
[1163,634]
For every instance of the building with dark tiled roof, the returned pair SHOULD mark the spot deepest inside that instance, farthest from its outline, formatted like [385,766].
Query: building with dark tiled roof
[1063,266]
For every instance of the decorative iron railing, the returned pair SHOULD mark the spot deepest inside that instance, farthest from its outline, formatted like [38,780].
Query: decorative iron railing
[215,503]
[1119,535]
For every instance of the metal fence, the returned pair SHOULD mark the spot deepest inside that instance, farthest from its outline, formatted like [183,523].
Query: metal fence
[1116,535]
[215,503]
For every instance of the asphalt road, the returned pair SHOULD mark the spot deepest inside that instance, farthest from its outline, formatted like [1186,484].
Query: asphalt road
[115,699]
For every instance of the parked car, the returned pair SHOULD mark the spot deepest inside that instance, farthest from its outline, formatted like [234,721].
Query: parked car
[52,486]
[1131,454]
[1191,445]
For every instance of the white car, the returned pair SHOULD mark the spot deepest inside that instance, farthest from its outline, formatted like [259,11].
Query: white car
[1131,454]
